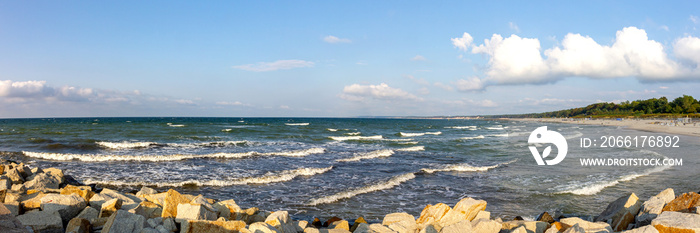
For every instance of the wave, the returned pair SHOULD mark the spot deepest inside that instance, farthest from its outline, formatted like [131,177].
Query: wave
[282,176]
[226,130]
[414,148]
[495,127]
[174,125]
[475,137]
[296,124]
[402,134]
[596,187]
[393,182]
[356,138]
[398,139]
[134,145]
[125,144]
[463,167]
[577,134]
[461,127]
[353,134]
[499,135]
[332,130]
[368,155]
[165,158]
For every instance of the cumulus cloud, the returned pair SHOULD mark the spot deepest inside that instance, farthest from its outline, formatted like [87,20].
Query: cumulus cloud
[335,40]
[464,42]
[276,65]
[516,60]
[357,92]
[418,58]
[23,90]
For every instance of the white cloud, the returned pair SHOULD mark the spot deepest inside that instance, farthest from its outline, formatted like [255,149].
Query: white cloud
[184,101]
[516,60]
[464,42]
[276,65]
[663,87]
[418,58]
[25,90]
[694,19]
[419,81]
[234,103]
[513,26]
[357,92]
[335,40]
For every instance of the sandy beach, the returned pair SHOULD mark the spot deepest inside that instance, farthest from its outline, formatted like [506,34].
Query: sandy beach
[660,126]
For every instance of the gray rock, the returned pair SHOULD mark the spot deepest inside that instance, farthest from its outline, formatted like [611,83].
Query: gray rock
[5,184]
[42,221]
[652,207]
[194,212]
[575,229]
[124,222]
[161,229]
[154,222]
[400,222]
[589,227]
[671,221]
[14,176]
[431,229]
[89,213]
[146,190]
[68,206]
[486,226]
[379,228]
[169,224]
[42,181]
[9,223]
[261,227]
[621,212]
[644,229]
[149,230]
[78,225]
[362,228]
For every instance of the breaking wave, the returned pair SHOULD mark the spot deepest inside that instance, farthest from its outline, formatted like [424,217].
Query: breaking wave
[463,167]
[592,188]
[414,148]
[296,124]
[475,137]
[134,145]
[368,155]
[125,145]
[461,127]
[393,182]
[402,134]
[356,138]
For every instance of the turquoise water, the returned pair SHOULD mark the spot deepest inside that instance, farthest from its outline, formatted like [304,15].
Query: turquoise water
[316,167]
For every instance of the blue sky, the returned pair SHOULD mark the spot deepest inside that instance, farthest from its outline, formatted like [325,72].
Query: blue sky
[333,58]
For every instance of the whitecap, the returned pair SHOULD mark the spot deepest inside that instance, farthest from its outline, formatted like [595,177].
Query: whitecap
[413,148]
[356,138]
[393,182]
[368,155]
[332,130]
[464,167]
[402,134]
[353,134]
[592,188]
[475,137]
[461,127]
[296,124]
[125,144]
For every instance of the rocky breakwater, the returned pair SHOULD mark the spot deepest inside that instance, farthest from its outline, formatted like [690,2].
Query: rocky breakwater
[36,200]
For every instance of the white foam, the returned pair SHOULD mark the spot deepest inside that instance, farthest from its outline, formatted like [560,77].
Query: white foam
[595,187]
[496,127]
[368,155]
[207,144]
[226,130]
[499,135]
[296,124]
[475,137]
[282,176]
[125,144]
[357,138]
[393,182]
[408,143]
[461,127]
[413,148]
[174,125]
[418,134]
[353,134]
[332,130]
[164,158]
[577,134]
[463,167]
[398,139]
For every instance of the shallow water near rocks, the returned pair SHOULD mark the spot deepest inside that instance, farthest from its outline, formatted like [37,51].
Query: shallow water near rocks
[316,167]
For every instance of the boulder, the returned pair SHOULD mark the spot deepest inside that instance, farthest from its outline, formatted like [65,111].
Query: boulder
[486,226]
[110,207]
[155,198]
[520,229]
[530,226]
[89,213]
[400,222]
[42,221]
[355,224]
[459,227]
[68,206]
[433,214]
[589,227]
[11,197]
[669,221]
[18,188]
[169,224]
[575,229]
[194,212]
[129,201]
[42,181]
[300,225]
[171,201]
[14,176]
[56,174]
[124,222]
[362,228]
[342,224]
[280,220]
[23,170]
[13,207]
[154,222]
[85,192]
[482,215]
[78,225]
[429,229]
[228,209]
[331,220]
[644,229]
[685,203]
[621,212]
[202,226]
[31,201]
[653,207]
[5,184]
[470,207]
[379,228]
[451,217]
[545,217]
[8,222]
[145,191]
[261,227]
[148,210]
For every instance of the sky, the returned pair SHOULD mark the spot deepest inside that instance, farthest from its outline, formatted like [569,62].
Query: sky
[340,58]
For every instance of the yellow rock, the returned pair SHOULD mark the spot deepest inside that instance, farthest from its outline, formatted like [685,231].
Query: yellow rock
[341,224]
[432,214]
[470,206]
[31,201]
[84,192]
[203,226]
[110,207]
[170,202]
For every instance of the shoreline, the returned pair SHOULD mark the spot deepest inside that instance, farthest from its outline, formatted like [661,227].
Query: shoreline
[656,126]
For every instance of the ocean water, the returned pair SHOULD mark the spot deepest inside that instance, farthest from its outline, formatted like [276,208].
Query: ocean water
[318,167]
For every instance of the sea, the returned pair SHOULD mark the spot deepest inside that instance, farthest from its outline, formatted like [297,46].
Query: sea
[351,167]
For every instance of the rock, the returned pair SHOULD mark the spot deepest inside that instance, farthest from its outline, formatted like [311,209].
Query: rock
[13,207]
[31,201]
[149,230]
[669,221]
[8,222]
[110,207]
[518,218]
[146,191]
[194,212]
[316,223]
[621,212]
[171,201]
[78,225]
[342,224]
[18,188]
[463,226]
[589,227]
[42,181]
[23,170]
[148,210]
[530,226]
[56,174]
[486,226]
[202,226]
[644,229]
[89,213]
[429,229]
[85,192]
[545,217]
[154,222]
[400,222]
[261,227]
[653,207]
[482,215]
[228,209]
[433,214]
[42,221]
[575,229]
[169,224]
[355,224]
[36,170]
[68,206]
[280,220]
[379,228]
[362,228]
[129,201]
[470,207]
[5,184]
[331,220]
[685,203]
[124,222]
[11,197]
[520,229]
[156,198]
[161,229]
[14,176]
